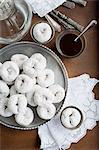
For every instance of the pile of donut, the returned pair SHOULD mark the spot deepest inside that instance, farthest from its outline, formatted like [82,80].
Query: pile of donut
[26,81]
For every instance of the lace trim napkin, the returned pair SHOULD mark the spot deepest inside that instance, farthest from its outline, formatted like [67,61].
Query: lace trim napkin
[43,7]
[53,135]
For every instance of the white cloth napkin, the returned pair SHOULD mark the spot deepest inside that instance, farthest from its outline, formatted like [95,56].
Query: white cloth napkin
[43,7]
[53,135]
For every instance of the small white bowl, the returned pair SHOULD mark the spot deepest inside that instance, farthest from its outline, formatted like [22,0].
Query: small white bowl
[81,120]
[32,36]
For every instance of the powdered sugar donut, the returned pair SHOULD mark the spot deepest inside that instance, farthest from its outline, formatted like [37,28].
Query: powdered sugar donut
[30,95]
[58,92]
[35,63]
[45,78]
[24,83]
[71,117]
[29,68]
[4,110]
[17,103]
[4,89]
[42,32]
[9,71]
[19,59]
[43,96]
[46,112]
[13,91]
[25,119]
[40,61]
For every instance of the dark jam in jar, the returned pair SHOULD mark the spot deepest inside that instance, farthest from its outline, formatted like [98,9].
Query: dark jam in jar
[68,46]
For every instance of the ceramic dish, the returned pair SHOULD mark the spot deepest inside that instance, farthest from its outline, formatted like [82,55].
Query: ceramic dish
[81,120]
[52,36]
[54,63]
[75,32]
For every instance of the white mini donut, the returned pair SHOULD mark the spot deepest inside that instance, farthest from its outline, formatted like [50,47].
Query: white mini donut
[45,78]
[29,68]
[25,119]
[13,91]
[4,89]
[40,61]
[17,103]
[43,96]
[58,92]
[42,32]
[30,95]
[46,112]
[24,83]
[71,117]
[9,71]
[35,63]
[4,110]
[19,59]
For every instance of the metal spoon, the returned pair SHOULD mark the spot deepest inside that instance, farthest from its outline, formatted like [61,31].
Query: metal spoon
[91,24]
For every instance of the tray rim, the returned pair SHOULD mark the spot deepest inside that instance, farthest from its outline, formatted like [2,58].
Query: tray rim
[65,78]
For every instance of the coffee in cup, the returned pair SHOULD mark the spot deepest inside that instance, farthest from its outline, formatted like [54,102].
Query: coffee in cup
[66,45]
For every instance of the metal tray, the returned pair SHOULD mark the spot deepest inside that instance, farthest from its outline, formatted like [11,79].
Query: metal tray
[53,62]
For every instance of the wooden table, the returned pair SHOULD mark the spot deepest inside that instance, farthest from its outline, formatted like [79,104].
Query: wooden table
[87,62]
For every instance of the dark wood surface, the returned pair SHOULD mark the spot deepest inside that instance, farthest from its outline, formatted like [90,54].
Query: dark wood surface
[87,62]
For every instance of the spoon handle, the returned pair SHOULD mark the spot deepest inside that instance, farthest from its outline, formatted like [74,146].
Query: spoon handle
[53,23]
[91,24]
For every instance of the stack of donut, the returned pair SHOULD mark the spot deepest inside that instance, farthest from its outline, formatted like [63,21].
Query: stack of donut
[26,81]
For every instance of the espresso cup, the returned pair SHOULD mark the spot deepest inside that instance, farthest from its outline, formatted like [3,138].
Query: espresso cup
[66,45]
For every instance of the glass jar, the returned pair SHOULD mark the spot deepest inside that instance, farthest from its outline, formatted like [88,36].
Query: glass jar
[15,20]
